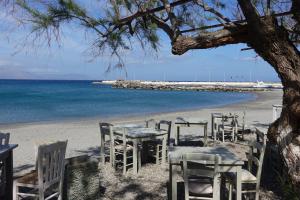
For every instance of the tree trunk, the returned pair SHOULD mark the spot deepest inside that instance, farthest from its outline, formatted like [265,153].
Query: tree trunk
[285,59]
[272,43]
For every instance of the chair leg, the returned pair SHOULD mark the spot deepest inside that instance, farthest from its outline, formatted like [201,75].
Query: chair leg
[257,194]
[230,192]
[157,154]
[60,190]
[223,136]
[139,158]
[124,161]
[41,194]
[15,192]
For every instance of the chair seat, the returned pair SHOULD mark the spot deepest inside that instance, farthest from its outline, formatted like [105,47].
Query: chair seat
[120,147]
[30,178]
[197,187]
[246,176]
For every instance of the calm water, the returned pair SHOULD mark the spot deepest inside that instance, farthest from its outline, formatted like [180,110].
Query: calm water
[35,101]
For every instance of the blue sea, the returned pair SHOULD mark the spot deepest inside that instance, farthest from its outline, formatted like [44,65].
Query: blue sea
[38,101]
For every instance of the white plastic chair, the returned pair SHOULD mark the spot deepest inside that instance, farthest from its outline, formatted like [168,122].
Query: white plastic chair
[46,181]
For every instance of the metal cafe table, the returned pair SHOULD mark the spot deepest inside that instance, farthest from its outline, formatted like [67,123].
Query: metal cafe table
[138,134]
[188,122]
[6,171]
[230,163]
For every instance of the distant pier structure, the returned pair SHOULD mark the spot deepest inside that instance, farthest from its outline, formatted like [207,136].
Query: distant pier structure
[195,86]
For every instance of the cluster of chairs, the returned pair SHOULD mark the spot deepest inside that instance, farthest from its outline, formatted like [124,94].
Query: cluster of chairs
[46,181]
[202,182]
[229,127]
[119,149]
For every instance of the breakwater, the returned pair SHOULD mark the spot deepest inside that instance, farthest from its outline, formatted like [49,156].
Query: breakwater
[194,86]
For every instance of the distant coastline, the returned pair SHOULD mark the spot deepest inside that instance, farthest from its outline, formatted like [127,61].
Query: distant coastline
[194,86]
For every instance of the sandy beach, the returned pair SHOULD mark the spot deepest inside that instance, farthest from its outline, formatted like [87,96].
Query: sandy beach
[83,135]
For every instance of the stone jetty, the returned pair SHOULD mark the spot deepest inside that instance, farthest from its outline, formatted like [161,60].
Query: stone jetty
[193,86]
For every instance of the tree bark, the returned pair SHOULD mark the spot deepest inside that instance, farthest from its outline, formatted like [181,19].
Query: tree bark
[228,35]
[272,43]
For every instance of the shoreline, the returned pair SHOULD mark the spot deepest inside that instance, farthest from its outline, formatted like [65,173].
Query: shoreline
[83,135]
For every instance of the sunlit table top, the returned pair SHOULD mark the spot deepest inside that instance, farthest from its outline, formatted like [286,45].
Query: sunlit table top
[138,131]
[228,157]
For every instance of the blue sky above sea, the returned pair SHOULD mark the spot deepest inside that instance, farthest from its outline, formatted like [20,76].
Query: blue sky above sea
[69,60]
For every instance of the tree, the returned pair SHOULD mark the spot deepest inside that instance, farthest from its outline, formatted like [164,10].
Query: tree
[270,27]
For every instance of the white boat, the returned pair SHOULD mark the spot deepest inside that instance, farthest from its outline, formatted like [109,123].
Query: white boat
[261,84]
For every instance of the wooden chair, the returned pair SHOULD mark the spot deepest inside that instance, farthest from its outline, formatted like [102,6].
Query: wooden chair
[104,142]
[227,128]
[46,181]
[240,127]
[252,175]
[201,181]
[151,123]
[4,140]
[121,147]
[165,125]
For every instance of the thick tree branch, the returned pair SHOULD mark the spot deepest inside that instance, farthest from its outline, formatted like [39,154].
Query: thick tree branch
[232,35]
[249,10]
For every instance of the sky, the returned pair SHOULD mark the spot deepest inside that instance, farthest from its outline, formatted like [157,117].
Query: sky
[69,60]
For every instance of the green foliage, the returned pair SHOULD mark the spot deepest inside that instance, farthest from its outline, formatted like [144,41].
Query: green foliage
[115,32]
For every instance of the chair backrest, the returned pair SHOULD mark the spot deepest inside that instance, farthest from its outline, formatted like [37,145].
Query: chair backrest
[151,123]
[229,120]
[260,137]
[4,138]
[256,160]
[51,164]
[201,166]
[104,127]
[236,122]
[166,125]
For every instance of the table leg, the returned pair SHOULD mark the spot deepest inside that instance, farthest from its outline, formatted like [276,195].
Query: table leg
[172,182]
[177,135]
[164,150]
[213,127]
[9,177]
[135,157]
[205,135]
[102,156]
[217,189]
[139,158]
[238,183]
[111,151]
